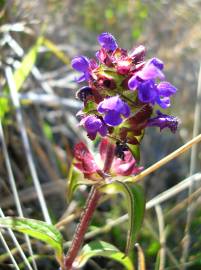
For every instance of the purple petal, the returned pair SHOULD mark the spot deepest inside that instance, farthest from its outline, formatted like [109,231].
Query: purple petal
[107,41]
[103,130]
[80,63]
[108,104]
[164,121]
[157,63]
[126,110]
[114,104]
[113,108]
[166,89]
[133,83]
[147,91]
[151,70]
[113,118]
[91,123]
[164,102]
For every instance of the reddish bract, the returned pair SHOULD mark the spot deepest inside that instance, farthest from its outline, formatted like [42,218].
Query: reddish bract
[84,160]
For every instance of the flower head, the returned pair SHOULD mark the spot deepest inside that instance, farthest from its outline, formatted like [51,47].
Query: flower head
[164,121]
[113,108]
[121,93]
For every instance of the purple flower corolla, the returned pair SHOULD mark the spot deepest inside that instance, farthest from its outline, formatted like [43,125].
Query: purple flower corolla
[166,89]
[107,41]
[148,90]
[113,108]
[94,125]
[164,121]
[151,70]
[81,64]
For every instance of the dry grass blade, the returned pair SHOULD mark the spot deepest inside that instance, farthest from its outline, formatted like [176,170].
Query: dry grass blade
[196,127]
[29,194]
[14,189]
[162,237]
[167,194]
[26,144]
[9,252]
[50,100]
[168,158]
[141,258]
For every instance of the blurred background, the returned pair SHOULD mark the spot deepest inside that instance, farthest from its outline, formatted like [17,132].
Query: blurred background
[170,30]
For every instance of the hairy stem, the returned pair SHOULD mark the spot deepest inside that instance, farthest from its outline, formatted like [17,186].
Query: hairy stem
[87,213]
[91,204]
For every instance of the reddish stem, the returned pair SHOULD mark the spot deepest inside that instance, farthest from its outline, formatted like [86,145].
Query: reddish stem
[87,214]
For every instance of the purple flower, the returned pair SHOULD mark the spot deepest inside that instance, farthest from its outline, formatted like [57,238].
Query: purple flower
[107,41]
[151,70]
[166,89]
[94,125]
[164,121]
[113,108]
[81,64]
[148,90]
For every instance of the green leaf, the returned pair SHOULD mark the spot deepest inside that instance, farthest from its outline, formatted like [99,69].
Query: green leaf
[136,206]
[20,75]
[135,150]
[75,179]
[37,229]
[100,248]
[139,207]
[4,106]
